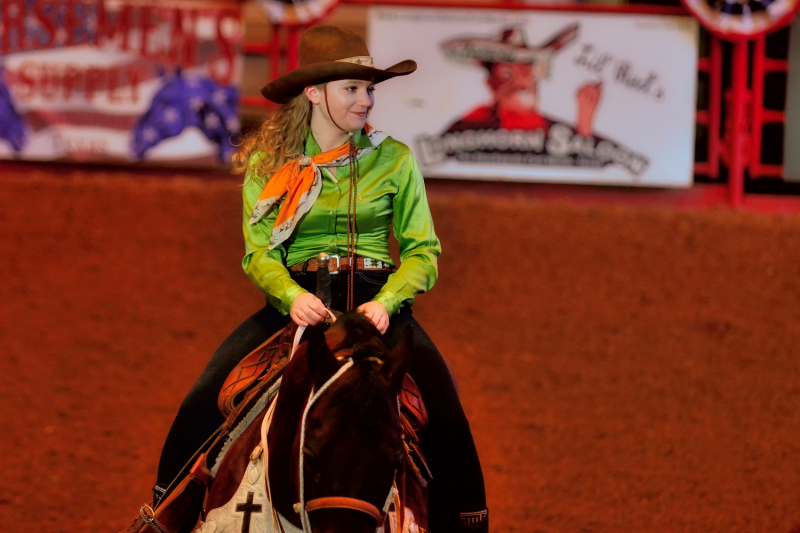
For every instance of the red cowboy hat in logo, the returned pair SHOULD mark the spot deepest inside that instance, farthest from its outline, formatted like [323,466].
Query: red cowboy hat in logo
[509,46]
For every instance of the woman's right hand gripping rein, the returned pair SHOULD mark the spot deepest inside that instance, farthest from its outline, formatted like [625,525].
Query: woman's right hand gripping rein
[307,310]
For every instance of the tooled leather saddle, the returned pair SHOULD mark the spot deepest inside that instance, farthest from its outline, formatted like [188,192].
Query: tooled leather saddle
[266,363]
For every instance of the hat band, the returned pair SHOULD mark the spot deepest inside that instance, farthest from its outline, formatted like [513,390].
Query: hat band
[358,60]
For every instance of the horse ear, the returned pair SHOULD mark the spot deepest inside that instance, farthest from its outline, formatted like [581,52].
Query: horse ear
[322,364]
[396,366]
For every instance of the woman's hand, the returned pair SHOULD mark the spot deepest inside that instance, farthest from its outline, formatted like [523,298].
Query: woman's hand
[307,310]
[376,312]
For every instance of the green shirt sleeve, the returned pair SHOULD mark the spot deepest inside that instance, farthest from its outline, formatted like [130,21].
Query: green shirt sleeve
[263,266]
[419,246]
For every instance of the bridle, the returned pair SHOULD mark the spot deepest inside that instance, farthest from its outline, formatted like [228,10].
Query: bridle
[327,502]
[334,502]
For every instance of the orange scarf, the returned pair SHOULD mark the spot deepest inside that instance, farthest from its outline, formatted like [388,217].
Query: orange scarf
[300,181]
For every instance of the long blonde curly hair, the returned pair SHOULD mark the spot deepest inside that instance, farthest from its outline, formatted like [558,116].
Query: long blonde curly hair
[280,139]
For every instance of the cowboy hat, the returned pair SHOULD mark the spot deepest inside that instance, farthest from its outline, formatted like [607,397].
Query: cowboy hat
[330,53]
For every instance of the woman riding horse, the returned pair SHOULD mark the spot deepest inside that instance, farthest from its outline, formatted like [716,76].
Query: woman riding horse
[320,179]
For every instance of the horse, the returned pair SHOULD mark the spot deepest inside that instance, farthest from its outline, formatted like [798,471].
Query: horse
[329,446]
[183,102]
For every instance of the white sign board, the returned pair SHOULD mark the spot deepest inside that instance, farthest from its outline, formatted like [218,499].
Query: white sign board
[540,96]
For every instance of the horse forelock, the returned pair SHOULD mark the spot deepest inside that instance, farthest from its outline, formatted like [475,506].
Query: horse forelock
[360,336]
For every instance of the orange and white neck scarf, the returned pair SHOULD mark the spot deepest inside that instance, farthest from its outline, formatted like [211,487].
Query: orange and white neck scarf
[300,181]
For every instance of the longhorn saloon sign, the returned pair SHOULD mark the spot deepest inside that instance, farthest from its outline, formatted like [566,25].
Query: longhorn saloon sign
[125,81]
[541,96]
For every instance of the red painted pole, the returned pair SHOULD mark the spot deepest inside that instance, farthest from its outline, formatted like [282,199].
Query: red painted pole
[738,123]
[275,53]
[293,52]
[714,105]
[757,106]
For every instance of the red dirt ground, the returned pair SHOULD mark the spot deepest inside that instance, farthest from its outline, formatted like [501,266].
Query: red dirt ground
[624,369]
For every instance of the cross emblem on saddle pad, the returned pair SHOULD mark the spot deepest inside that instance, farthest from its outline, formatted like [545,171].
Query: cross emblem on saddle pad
[248,508]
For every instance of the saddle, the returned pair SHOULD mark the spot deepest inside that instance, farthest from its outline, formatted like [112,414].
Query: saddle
[268,360]
[246,391]
[261,365]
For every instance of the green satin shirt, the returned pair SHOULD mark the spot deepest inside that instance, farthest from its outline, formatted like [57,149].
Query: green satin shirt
[390,191]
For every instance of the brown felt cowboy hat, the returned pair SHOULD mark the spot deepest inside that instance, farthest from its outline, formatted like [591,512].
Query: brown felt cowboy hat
[330,53]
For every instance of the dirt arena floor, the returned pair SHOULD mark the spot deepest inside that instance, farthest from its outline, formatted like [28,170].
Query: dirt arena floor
[624,369]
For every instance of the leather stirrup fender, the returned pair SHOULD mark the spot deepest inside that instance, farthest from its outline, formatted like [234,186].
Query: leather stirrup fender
[172,513]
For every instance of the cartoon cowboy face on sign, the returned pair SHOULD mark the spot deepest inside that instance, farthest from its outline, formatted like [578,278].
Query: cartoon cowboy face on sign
[514,68]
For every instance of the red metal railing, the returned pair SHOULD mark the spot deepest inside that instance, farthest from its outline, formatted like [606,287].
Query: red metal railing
[740,146]
[283,45]
[762,65]
[711,117]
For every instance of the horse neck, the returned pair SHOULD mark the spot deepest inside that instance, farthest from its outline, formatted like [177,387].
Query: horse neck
[283,438]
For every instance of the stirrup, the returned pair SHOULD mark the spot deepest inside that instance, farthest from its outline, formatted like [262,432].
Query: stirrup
[158,494]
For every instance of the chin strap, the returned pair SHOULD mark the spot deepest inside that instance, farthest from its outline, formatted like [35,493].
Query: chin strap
[328,107]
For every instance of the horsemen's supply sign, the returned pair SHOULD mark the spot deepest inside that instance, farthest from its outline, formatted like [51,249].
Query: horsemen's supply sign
[541,96]
[119,81]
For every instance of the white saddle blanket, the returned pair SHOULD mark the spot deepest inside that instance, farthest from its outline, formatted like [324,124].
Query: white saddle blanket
[249,504]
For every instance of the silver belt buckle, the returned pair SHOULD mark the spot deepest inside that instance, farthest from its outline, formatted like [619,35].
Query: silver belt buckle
[338,264]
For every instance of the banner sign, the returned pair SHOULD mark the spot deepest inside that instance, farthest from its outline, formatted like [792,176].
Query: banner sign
[297,12]
[541,96]
[119,81]
[791,128]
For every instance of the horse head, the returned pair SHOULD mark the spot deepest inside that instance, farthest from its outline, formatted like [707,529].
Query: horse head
[352,441]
